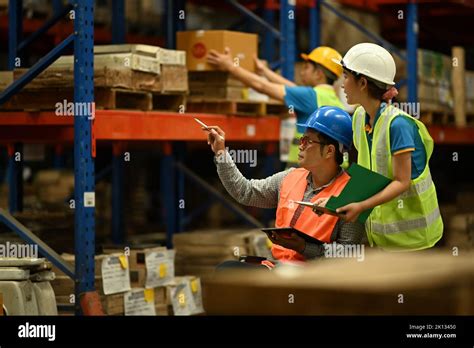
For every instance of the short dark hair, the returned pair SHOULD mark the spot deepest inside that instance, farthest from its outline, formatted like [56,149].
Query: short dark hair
[330,76]
[327,140]
[375,89]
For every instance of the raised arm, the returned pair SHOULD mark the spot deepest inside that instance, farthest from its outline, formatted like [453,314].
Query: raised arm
[223,61]
[261,193]
[272,76]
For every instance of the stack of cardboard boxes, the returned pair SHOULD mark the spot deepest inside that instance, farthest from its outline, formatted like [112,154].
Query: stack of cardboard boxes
[137,282]
[199,252]
[217,91]
[469,92]
[434,82]
[129,76]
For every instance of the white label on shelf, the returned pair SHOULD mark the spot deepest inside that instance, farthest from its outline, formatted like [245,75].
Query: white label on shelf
[159,268]
[251,131]
[200,66]
[89,199]
[115,277]
[137,303]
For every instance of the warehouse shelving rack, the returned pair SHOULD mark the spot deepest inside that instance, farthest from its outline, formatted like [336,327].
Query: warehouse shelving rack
[117,126]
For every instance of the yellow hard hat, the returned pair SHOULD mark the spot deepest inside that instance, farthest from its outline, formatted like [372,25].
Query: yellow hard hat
[325,56]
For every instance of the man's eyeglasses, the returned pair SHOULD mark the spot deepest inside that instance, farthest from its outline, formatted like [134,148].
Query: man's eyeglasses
[305,140]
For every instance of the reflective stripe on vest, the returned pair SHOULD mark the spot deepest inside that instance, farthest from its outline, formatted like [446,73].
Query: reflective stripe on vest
[321,227]
[412,220]
[325,96]
[407,225]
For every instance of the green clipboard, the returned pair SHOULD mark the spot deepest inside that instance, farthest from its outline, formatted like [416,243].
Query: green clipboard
[364,183]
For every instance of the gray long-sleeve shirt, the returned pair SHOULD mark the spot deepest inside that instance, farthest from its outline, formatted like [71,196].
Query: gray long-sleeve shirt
[264,193]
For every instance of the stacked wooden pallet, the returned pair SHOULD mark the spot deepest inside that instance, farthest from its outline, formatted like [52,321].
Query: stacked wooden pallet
[139,77]
[434,83]
[199,252]
[445,94]
[219,92]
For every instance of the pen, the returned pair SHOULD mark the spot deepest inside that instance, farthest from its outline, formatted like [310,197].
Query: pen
[205,126]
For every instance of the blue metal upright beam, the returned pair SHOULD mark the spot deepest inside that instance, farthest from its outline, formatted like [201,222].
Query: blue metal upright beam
[15,172]
[15,8]
[180,15]
[315,25]
[118,230]
[167,183]
[15,178]
[57,6]
[412,48]
[169,22]
[288,44]
[268,37]
[118,21]
[84,188]
[180,154]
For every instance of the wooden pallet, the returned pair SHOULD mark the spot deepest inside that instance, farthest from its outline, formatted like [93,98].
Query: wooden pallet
[123,99]
[233,107]
[105,98]
[175,102]
[437,118]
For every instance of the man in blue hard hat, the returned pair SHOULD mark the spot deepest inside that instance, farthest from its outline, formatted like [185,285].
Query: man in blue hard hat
[327,132]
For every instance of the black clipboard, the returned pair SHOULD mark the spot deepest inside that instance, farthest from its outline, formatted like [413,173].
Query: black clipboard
[288,230]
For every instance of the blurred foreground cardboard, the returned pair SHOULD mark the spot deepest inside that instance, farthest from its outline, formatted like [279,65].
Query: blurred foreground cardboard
[421,283]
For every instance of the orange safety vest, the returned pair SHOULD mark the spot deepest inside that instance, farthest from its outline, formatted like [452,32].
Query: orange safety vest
[320,227]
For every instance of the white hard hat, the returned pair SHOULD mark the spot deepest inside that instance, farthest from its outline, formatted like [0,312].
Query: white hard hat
[370,60]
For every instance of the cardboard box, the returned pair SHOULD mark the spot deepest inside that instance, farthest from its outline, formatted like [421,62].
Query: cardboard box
[163,310]
[171,57]
[6,79]
[138,278]
[197,45]
[345,286]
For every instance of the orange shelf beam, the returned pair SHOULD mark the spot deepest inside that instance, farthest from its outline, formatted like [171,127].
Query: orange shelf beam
[46,127]
[124,125]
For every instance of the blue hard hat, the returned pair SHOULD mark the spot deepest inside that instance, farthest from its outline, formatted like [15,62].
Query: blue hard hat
[333,122]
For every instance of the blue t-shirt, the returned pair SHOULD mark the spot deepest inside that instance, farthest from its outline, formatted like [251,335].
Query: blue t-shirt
[303,100]
[404,136]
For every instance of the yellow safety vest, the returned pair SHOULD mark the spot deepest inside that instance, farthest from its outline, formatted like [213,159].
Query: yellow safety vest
[411,221]
[325,96]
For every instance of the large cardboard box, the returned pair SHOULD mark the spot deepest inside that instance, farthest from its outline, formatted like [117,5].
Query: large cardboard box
[197,45]
[380,284]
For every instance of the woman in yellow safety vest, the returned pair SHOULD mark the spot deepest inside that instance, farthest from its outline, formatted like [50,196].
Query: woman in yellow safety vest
[390,142]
